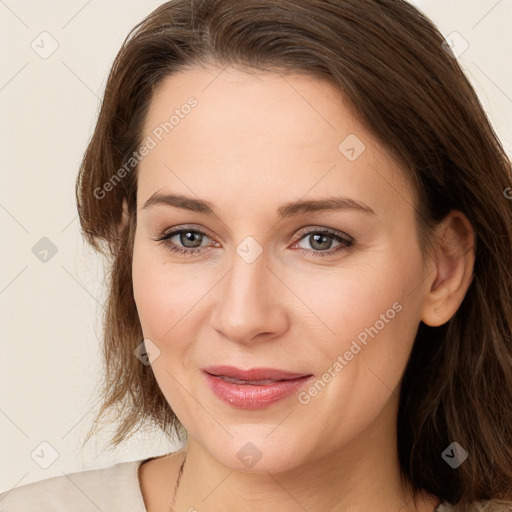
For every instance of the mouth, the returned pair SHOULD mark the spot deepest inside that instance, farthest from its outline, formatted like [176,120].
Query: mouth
[253,376]
[245,382]
[255,388]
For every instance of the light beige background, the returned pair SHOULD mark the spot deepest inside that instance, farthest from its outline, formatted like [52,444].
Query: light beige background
[50,311]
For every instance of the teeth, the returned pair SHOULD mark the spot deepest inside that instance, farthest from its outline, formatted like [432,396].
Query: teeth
[252,382]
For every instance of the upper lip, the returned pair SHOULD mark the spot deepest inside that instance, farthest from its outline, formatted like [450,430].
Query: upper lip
[253,374]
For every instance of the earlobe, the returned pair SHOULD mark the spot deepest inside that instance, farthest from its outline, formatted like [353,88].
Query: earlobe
[454,258]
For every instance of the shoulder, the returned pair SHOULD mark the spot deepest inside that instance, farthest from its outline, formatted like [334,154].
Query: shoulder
[114,488]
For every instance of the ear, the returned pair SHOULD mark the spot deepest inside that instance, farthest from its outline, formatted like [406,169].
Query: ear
[124,217]
[454,258]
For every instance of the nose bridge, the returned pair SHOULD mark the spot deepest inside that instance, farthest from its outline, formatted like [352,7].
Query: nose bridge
[246,306]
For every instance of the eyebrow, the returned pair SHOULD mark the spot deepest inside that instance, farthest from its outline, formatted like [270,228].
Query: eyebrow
[286,210]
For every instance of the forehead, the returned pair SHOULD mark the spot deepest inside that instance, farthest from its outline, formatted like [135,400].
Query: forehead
[227,135]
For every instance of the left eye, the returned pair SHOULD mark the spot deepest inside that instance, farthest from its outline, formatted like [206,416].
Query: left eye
[189,241]
[321,241]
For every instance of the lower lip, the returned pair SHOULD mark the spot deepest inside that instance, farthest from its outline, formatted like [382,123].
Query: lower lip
[247,396]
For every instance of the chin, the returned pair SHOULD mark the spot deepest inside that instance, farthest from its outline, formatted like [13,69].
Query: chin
[253,450]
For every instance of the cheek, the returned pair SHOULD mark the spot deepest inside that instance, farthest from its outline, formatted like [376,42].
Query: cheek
[354,303]
[166,295]
[155,297]
[373,315]
[164,309]
[368,311]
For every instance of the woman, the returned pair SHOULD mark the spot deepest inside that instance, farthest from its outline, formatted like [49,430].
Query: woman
[306,213]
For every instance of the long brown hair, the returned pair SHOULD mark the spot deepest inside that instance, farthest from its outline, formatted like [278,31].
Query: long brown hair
[389,61]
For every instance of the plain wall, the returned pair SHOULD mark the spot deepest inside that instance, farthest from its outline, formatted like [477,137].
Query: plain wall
[51,310]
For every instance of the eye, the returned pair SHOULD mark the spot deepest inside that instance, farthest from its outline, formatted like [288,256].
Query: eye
[191,240]
[321,241]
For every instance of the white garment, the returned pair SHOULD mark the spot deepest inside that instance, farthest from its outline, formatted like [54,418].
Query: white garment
[112,489]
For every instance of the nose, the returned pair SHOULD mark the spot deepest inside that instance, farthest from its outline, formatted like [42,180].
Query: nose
[250,302]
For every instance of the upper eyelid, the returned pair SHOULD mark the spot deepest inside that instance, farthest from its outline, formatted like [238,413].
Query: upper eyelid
[312,229]
[179,229]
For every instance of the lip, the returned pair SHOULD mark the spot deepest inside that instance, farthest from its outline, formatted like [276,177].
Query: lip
[253,373]
[253,395]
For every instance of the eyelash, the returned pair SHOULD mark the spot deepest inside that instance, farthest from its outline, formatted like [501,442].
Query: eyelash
[345,241]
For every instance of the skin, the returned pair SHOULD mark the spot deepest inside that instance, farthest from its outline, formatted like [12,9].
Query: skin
[254,142]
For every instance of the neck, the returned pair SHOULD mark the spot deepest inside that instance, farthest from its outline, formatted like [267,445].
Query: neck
[358,478]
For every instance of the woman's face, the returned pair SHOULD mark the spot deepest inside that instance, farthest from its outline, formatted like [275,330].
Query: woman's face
[269,280]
